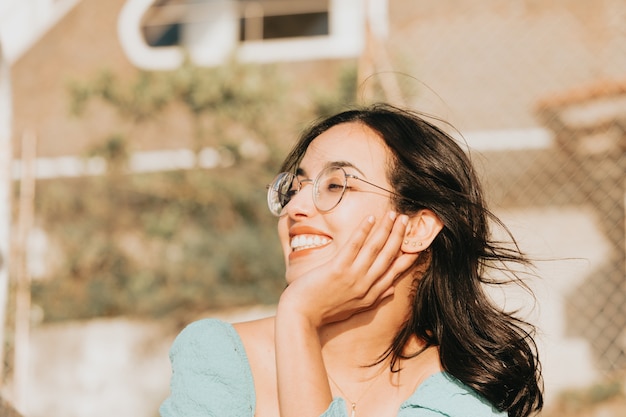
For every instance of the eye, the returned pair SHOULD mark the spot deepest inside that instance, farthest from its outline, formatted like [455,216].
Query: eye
[290,193]
[332,183]
[286,190]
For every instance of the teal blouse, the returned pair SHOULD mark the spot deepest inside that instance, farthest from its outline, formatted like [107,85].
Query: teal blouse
[211,377]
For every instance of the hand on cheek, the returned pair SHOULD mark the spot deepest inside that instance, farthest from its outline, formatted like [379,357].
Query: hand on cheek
[361,274]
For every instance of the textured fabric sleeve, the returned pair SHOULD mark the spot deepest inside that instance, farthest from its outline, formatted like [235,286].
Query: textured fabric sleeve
[337,408]
[211,375]
[443,395]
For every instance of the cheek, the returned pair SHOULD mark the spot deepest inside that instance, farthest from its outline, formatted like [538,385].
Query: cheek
[283,234]
[357,210]
[343,223]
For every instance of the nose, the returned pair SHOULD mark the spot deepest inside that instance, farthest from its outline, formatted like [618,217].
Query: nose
[302,204]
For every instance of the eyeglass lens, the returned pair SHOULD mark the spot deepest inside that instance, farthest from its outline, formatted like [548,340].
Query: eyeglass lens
[328,189]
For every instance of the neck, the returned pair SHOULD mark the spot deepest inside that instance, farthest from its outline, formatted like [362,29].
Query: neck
[350,349]
[360,340]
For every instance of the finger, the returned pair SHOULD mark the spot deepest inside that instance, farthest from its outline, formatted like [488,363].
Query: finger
[375,243]
[385,286]
[399,267]
[351,250]
[376,257]
[384,246]
[391,248]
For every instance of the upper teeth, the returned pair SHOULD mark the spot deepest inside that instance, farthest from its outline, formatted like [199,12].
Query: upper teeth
[307,241]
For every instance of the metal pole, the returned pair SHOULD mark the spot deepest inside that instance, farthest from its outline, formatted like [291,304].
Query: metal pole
[22,277]
[6,159]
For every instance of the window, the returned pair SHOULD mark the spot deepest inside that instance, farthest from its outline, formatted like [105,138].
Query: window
[283,19]
[162,35]
[253,30]
[162,23]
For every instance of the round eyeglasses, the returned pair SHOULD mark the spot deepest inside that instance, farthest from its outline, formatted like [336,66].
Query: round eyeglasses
[328,189]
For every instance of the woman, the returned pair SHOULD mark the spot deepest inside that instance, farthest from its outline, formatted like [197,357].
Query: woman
[386,243]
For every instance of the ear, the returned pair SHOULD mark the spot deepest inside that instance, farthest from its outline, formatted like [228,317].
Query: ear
[420,232]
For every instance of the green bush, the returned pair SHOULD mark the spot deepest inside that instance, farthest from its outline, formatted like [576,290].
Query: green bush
[172,242]
[157,244]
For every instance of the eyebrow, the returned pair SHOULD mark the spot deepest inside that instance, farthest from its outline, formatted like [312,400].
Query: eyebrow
[336,164]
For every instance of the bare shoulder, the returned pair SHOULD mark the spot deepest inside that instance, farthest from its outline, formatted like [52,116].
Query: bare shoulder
[257,330]
[258,339]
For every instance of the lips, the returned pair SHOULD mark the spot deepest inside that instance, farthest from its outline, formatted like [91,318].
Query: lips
[303,238]
[308,241]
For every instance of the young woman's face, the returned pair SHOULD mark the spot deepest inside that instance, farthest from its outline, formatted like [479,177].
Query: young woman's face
[309,237]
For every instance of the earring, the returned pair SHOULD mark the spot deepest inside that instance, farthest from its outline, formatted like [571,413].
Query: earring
[414,244]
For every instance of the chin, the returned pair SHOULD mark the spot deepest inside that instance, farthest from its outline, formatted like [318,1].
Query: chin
[292,273]
[300,267]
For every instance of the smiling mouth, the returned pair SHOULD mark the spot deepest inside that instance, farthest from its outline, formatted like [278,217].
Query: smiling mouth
[301,242]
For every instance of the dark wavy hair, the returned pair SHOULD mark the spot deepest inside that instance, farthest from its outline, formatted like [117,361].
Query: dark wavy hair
[490,350]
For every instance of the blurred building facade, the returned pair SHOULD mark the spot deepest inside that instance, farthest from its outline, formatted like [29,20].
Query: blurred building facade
[536,88]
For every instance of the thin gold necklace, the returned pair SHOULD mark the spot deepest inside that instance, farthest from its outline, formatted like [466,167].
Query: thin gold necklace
[353,404]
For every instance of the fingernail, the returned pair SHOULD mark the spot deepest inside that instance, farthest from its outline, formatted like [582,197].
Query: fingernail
[392,215]
[404,219]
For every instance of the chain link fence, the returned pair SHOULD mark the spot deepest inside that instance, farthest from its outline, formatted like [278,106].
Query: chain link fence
[556,66]
[590,132]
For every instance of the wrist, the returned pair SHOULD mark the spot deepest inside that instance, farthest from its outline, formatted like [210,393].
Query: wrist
[293,315]
[291,308]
